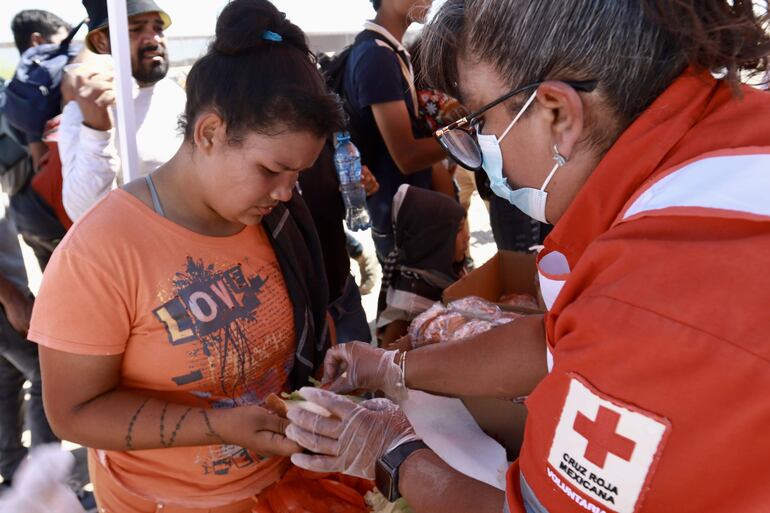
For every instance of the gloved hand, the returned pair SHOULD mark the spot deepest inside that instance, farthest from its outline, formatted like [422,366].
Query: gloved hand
[358,365]
[353,439]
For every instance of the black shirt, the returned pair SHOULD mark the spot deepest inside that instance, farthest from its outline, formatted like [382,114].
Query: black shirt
[320,190]
[373,75]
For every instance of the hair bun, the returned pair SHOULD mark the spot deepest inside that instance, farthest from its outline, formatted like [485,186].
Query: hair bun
[242,23]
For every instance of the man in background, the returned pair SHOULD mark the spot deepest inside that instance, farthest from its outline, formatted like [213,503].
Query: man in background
[91,165]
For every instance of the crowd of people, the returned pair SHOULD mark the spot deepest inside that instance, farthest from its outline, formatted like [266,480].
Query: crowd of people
[617,142]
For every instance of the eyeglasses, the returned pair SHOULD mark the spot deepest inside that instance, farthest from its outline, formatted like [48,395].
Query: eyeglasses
[459,138]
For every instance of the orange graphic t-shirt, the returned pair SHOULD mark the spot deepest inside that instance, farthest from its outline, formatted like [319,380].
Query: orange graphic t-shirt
[202,321]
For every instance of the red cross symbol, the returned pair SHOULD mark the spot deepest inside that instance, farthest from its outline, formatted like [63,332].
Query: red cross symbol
[602,436]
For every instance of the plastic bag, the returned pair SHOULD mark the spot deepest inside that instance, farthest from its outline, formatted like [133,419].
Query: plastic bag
[459,319]
[476,308]
[520,300]
[302,491]
[39,485]
[418,325]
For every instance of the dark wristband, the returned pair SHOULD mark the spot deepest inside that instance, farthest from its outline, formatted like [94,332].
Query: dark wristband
[386,470]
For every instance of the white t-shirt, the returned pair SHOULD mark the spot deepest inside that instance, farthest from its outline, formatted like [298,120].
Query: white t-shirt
[90,158]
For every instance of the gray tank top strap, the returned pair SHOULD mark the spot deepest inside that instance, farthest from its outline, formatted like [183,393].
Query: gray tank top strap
[155,198]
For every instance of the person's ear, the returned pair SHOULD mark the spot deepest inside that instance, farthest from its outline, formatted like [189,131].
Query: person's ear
[564,113]
[209,132]
[36,39]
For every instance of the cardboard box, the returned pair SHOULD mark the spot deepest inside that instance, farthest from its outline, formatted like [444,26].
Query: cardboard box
[507,272]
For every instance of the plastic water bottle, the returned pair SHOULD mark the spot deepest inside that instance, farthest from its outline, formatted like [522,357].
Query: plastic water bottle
[347,160]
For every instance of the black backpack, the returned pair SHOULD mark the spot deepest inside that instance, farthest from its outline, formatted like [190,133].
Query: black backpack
[34,94]
[15,163]
[333,70]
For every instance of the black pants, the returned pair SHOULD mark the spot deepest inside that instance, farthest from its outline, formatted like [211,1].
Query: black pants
[18,363]
[37,223]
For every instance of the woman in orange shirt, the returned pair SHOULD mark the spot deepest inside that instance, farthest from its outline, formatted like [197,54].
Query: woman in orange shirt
[179,302]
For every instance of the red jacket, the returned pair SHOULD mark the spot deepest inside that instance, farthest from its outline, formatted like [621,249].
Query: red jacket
[658,399]
[48,181]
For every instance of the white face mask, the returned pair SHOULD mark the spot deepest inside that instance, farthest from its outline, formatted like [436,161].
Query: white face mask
[528,200]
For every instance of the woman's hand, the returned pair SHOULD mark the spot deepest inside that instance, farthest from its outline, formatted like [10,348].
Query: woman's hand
[353,439]
[371,185]
[357,365]
[253,428]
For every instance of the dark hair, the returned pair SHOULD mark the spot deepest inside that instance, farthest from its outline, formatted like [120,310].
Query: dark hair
[29,21]
[376,4]
[256,84]
[635,49]
[728,37]
[415,51]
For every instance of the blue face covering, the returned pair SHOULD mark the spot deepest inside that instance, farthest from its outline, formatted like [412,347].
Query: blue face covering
[527,199]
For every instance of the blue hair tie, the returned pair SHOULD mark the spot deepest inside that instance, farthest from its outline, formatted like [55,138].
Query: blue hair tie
[269,35]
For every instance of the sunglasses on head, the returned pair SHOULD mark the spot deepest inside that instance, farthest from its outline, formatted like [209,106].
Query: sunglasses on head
[459,138]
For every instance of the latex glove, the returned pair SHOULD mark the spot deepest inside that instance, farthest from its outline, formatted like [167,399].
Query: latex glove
[353,439]
[357,365]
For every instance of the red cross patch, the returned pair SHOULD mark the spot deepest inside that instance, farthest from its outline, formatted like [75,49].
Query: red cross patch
[604,450]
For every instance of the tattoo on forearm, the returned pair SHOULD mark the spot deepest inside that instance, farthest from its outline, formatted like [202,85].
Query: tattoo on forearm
[130,433]
[162,427]
[178,426]
[211,431]
[171,440]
